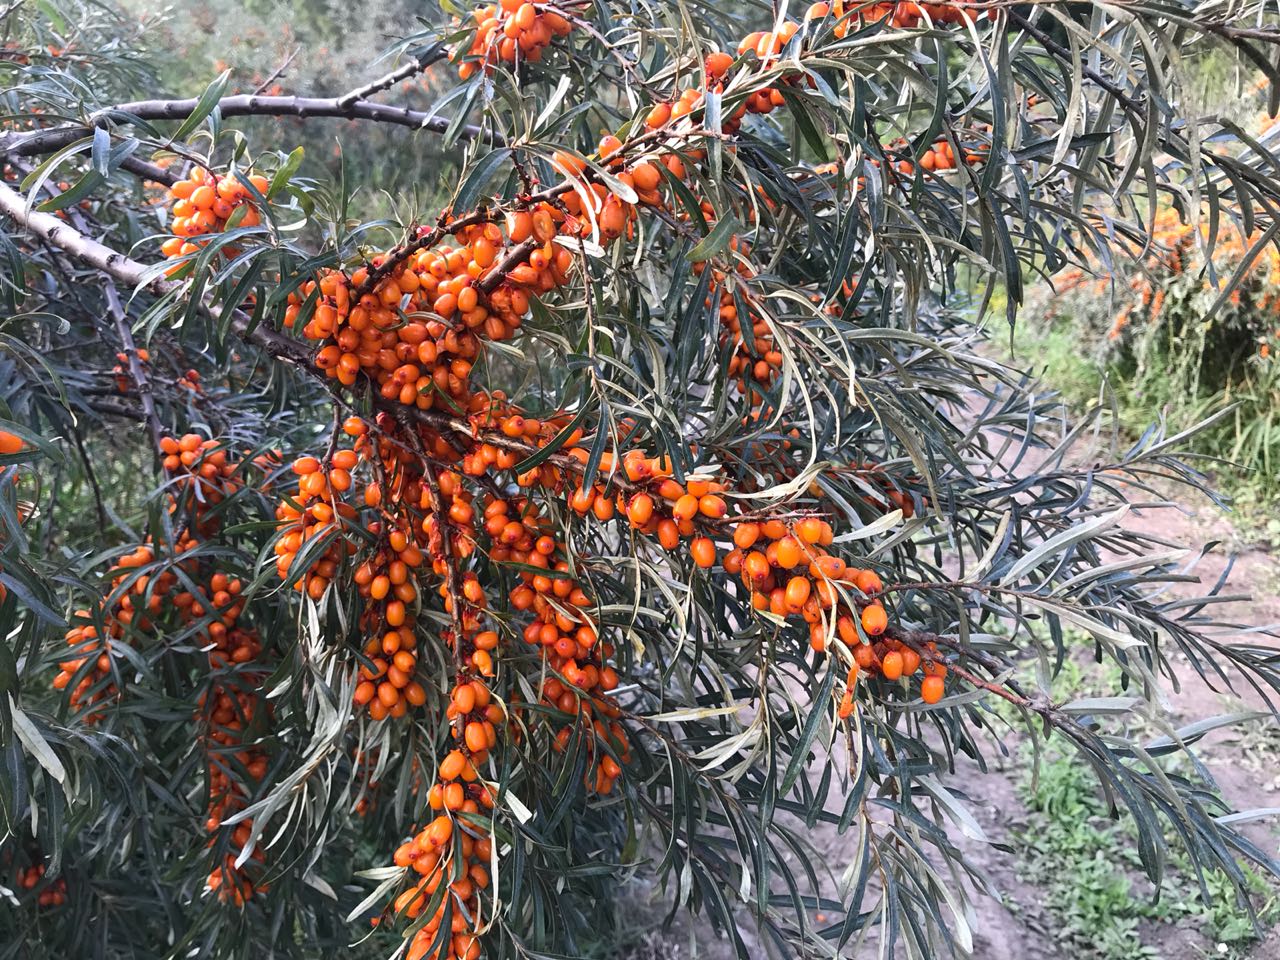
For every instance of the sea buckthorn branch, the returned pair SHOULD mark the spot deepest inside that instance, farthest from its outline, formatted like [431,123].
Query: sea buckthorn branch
[131,354]
[702,546]
[629,67]
[210,609]
[394,259]
[418,63]
[238,105]
[115,264]
[513,31]
[1008,689]
[779,573]
[612,152]
[134,358]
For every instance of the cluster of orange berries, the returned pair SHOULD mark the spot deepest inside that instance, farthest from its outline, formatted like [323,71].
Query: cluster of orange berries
[316,511]
[894,660]
[87,646]
[120,371]
[563,628]
[452,850]
[230,711]
[202,473]
[506,30]
[389,333]
[54,895]
[939,158]
[784,565]
[766,45]
[899,14]
[204,202]
[417,331]
[717,65]
[387,578]
[202,477]
[754,364]
[446,848]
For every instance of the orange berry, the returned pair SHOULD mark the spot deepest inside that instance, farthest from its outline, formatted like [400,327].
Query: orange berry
[868,582]
[788,553]
[932,689]
[809,530]
[686,507]
[712,506]
[703,550]
[891,665]
[640,510]
[659,115]
[874,621]
[798,589]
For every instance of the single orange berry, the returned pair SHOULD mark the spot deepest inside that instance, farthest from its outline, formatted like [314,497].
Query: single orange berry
[703,550]
[891,665]
[932,689]
[874,621]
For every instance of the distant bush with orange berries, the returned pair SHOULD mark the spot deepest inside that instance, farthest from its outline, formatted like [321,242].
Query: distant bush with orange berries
[627,521]
[1189,333]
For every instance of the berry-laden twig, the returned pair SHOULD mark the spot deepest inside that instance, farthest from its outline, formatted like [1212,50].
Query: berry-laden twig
[145,600]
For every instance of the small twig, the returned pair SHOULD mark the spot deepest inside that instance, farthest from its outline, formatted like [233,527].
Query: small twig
[136,371]
[277,72]
[431,55]
[518,255]
[92,476]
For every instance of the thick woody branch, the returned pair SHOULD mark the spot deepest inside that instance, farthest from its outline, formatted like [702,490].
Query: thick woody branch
[239,105]
[60,234]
